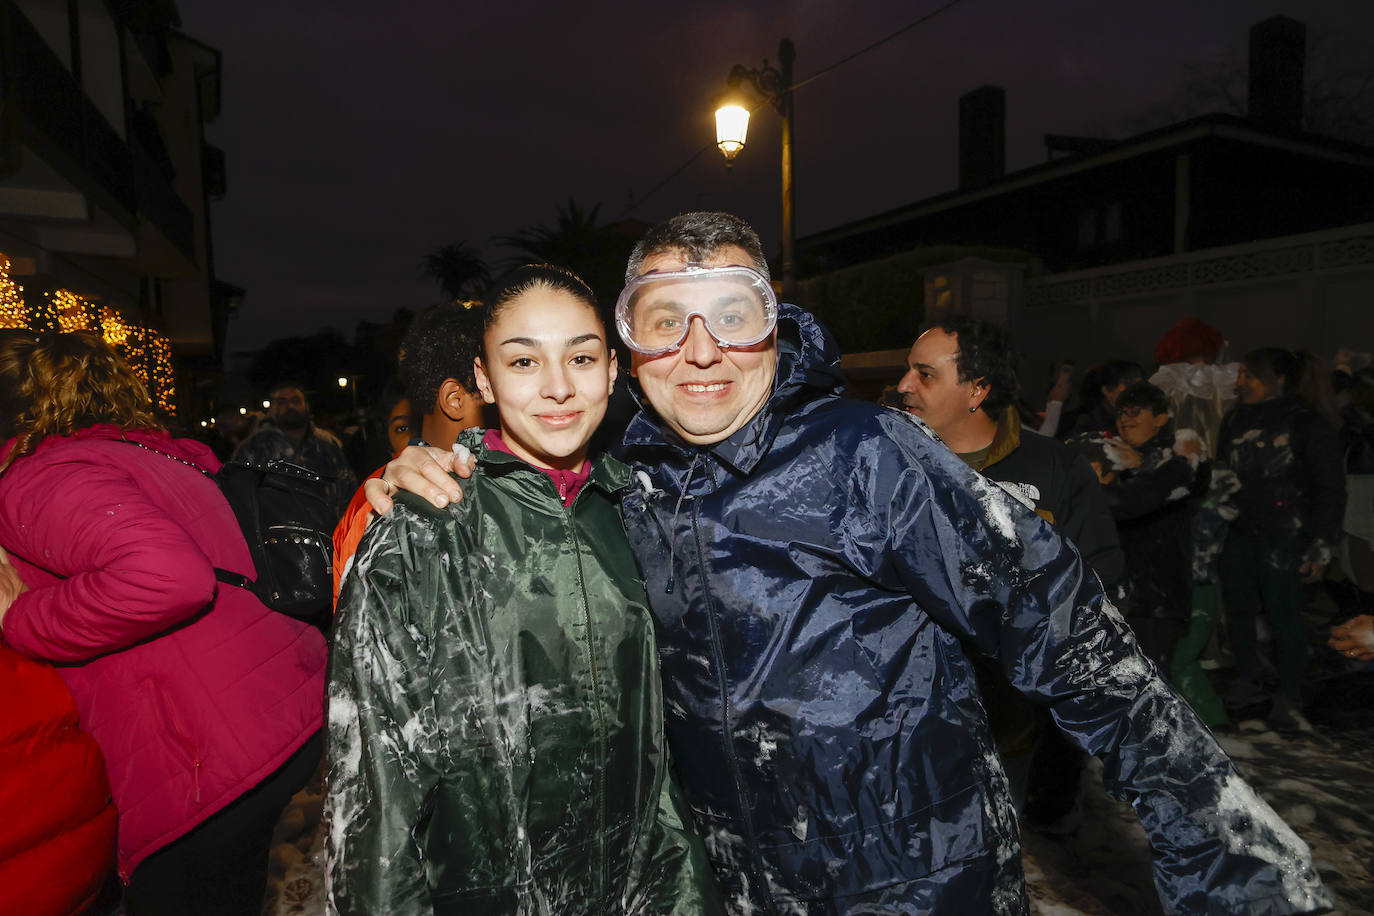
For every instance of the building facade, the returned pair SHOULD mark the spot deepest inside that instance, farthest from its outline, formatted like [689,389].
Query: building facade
[106,183]
[1250,223]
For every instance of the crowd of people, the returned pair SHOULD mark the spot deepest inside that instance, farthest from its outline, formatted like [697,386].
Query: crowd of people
[1236,488]
[762,647]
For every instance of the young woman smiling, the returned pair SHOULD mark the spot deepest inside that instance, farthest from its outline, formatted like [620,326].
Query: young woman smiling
[496,722]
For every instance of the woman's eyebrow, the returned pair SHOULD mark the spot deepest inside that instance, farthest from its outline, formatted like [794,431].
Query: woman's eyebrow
[531,342]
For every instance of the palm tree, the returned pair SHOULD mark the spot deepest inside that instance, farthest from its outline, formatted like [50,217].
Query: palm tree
[458,269]
[572,237]
[597,252]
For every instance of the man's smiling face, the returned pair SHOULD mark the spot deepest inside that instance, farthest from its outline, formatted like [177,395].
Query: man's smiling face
[702,392]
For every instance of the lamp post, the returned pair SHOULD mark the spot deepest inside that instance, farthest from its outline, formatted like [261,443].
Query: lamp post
[351,383]
[732,124]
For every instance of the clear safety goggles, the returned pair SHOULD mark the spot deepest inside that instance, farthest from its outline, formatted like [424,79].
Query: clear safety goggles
[655,311]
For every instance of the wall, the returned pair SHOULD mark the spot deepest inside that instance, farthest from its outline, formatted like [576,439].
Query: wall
[1313,291]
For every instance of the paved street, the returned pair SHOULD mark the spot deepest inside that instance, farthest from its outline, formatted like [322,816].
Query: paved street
[1322,784]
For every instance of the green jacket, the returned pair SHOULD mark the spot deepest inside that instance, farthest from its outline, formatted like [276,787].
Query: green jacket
[495,713]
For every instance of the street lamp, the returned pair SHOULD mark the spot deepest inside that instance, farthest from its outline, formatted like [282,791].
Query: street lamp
[732,124]
[350,382]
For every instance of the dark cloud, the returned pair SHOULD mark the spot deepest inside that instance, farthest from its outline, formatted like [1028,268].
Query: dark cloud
[360,135]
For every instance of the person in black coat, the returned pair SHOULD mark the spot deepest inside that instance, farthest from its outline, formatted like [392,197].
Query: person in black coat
[1153,492]
[1287,517]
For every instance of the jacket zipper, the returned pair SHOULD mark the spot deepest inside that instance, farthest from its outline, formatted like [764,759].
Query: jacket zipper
[746,822]
[603,878]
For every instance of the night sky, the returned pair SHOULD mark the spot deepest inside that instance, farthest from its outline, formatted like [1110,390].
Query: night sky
[360,136]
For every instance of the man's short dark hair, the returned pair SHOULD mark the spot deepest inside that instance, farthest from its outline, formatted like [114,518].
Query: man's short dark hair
[286,384]
[440,344]
[984,353]
[1143,394]
[697,236]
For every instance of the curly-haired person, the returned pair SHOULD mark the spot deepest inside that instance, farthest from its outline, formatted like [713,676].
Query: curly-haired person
[206,704]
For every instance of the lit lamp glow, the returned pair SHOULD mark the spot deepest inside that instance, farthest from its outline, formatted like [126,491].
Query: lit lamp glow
[774,84]
[732,125]
[343,381]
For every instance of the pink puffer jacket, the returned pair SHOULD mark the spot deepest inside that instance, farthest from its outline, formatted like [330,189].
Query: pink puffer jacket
[193,689]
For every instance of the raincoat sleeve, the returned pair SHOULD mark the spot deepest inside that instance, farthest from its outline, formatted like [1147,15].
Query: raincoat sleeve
[383,743]
[128,570]
[994,574]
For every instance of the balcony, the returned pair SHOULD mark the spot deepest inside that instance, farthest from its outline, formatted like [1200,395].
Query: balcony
[59,122]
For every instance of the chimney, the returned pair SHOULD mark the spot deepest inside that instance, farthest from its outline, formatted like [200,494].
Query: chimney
[1278,51]
[982,137]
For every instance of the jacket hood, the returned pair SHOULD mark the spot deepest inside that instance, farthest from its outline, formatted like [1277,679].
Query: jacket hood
[1006,440]
[808,367]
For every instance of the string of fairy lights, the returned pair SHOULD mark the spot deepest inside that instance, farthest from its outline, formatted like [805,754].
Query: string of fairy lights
[147,352]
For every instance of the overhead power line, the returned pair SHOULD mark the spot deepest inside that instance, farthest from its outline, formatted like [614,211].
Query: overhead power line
[635,202]
[877,44]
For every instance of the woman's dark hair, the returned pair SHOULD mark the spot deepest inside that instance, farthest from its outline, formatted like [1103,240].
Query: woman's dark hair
[1106,375]
[393,393]
[54,384]
[984,353]
[1275,366]
[529,277]
[1295,372]
[376,449]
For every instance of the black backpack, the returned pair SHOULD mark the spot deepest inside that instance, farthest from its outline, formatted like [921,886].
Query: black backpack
[288,522]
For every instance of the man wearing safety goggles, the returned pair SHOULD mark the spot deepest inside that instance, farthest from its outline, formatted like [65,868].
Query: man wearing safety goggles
[702,335]
[736,304]
[818,569]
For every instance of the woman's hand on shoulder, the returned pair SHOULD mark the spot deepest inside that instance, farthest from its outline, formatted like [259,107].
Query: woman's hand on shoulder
[423,470]
[11,586]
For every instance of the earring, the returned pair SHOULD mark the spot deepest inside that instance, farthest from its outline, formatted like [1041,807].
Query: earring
[973,408]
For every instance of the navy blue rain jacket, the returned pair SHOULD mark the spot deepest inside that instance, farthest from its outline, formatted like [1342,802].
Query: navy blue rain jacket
[818,580]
